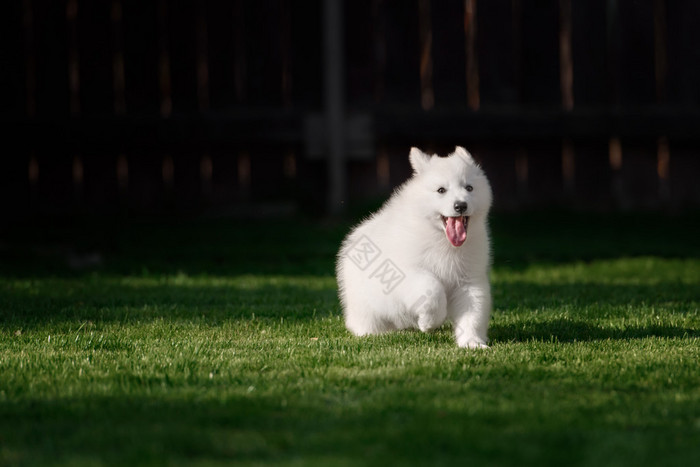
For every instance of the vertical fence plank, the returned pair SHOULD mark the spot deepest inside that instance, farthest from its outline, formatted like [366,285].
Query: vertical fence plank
[449,58]
[263,53]
[118,76]
[16,26]
[141,57]
[307,74]
[403,84]
[360,59]
[118,169]
[522,176]
[334,93]
[425,36]
[614,44]
[223,178]
[95,53]
[222,30]
[683,93]
[73,57]
[186,179]
[497,39]
[516,23]
[663,154]
[613,55]
[566,59]
[545,175]
[589,54]
[379,49]
[30,57]
[286,45]
[182,52]
[52,89]
[663,162]
[16,99]
[202,54]
[498,161]
[54,184]
[138,170]
[145,178]
[240,58]
[244,174]
[660,50]
[683,184]
[683,35]
[636,62]
[566,83]
[639,179]
[540,71]
[472,69]
[364,82]
[100,183]
[591,80]
[593,174]
[193,168]
[165,66]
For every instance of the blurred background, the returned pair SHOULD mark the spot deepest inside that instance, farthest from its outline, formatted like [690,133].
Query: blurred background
[269,108]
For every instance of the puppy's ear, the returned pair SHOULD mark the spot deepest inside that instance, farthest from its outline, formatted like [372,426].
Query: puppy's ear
[419,160]
[464,154]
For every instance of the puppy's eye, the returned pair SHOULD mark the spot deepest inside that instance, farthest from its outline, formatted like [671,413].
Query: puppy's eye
[441,190]
[470,188]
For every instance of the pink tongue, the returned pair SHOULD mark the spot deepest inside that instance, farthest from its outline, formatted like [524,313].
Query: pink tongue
[454,229]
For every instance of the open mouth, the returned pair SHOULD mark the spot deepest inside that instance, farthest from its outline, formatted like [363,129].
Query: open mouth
[456,229]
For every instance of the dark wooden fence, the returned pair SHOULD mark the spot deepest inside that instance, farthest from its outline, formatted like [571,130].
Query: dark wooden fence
[126,106]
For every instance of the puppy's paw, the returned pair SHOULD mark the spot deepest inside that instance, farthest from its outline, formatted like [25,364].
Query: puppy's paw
[429,322]
[472,343]
[475,345]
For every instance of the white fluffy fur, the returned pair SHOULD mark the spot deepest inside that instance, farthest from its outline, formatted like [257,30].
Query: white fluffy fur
[397,269]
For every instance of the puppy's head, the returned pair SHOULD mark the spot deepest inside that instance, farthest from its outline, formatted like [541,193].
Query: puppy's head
[452,189]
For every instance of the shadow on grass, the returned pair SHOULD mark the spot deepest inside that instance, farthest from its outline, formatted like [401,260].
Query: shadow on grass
[322,429]
[111,300]
[526,295]
[212,305]
[561,330]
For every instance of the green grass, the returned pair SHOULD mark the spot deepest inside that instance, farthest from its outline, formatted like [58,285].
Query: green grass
[212,343]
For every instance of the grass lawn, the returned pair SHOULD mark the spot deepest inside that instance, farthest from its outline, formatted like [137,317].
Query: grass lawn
[220,342]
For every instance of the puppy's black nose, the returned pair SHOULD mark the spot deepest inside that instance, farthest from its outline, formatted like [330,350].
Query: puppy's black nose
[460,207]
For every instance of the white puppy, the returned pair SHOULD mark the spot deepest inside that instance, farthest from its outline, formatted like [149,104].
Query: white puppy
[424,257]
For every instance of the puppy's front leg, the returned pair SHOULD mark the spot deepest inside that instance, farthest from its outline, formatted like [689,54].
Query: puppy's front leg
[470,310]
[425,301]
